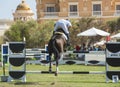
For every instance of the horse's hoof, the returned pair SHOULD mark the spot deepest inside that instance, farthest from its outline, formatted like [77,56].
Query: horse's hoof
[56,74]
[50,70]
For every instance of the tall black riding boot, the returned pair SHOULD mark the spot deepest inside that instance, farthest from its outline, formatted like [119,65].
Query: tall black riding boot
[68,40]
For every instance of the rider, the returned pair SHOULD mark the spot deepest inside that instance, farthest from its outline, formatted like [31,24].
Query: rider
[64,25]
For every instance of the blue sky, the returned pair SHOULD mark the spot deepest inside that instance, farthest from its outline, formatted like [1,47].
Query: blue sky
[7,7]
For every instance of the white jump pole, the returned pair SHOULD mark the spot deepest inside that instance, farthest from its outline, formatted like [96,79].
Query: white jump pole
[67,72]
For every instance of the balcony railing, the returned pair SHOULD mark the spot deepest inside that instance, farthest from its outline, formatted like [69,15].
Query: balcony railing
[51,14]
[80,14]
[117,13]
[97,13]
[73,14]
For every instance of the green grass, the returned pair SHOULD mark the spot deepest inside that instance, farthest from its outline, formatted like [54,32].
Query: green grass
[63,80]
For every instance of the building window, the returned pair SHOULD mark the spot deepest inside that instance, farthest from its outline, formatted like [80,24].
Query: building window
[118,10]
[96,9]
[50,10]
[73,10]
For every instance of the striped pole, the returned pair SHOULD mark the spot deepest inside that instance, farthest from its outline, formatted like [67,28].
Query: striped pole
[67,72]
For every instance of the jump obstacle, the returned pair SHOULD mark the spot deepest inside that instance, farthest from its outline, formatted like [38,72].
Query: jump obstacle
[67,72]
[78,57]
[21,74]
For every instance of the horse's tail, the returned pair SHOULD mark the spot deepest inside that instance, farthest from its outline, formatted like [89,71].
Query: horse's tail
[55,49]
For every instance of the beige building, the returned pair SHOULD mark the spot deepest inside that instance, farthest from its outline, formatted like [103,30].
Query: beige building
[76,9]
[23,12]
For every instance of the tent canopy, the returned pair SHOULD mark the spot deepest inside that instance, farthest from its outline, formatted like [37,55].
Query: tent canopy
[100,43]
[116,35]
[93,32]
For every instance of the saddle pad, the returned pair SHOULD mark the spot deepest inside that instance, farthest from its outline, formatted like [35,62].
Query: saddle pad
[62,34]
[65,36]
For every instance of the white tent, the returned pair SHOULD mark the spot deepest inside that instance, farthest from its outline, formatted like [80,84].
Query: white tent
[100,43]
[116,36]
[93,32]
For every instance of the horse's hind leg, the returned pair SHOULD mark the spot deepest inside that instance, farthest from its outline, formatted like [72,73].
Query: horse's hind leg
[50,66]
[61,57]
[57,69]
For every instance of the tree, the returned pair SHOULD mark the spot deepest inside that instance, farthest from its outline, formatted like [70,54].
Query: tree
[82,25]
[1,39]
[114,25]
[41,34]
[36,34]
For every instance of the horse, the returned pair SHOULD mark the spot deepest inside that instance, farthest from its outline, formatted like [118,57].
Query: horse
[56,47]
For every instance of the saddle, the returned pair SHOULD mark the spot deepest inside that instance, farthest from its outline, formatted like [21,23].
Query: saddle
[61,33]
